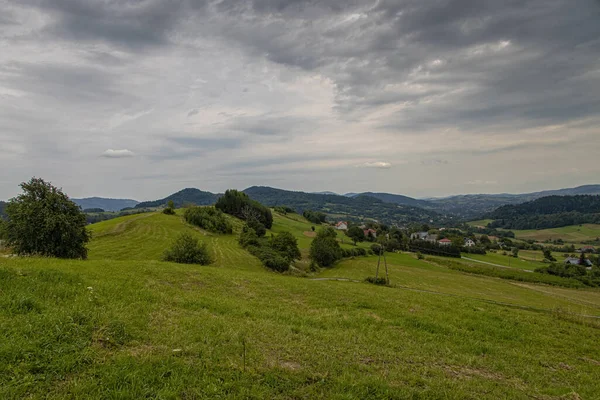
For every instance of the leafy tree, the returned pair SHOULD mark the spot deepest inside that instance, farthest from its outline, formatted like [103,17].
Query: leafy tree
[582,259]
[238,204]
[248,237]
[548,254]
[312,228]
[286,244]
[43,221]
[515,252]
[258,227]
[188,250]
[356,234]
[170,208]
[315,217]
[324,249]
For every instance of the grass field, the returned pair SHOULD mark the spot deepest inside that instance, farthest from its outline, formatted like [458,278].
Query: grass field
[481,222]
[507,261]
[572,234]
[126,325]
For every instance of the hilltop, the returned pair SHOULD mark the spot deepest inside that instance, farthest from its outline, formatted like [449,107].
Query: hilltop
[548,212]
[104,203]
[185,196]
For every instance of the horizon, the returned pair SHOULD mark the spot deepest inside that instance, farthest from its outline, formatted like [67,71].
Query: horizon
[135,99]
[320,192]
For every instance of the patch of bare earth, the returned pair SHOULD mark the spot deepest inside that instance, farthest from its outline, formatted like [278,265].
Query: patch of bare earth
[309,234]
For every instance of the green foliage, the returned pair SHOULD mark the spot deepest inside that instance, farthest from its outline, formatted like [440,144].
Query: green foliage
[435,249]
[170,208]
[515,252]
[286,244]
[284,210]
[578,272]
[188,250]
[548,212]
[420,255]
[356,234]
[377,281]
[276,254]
[324,249]
[208,218]
[258,227]
[514,274]
[376,248]
[315,217]
[356,252]
[43,221]
[548,254]
[240,205]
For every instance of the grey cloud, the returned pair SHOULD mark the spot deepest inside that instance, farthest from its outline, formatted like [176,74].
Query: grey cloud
[193,112]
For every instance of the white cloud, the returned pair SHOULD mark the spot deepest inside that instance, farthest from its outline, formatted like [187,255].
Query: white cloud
[122,153]
[481,182]
[377,164]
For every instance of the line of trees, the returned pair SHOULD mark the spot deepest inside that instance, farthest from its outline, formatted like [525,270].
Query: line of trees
[238,204]
[208,218]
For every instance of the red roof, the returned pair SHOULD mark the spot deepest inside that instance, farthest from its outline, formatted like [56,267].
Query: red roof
[445,241]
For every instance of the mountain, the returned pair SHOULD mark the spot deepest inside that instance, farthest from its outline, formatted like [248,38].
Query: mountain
[393,198]
[105,204]
[357,207]
[325,192]
[185,196]
[548,212]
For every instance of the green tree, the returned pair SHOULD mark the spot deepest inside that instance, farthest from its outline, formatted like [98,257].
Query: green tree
[43,221]
[170,208]
[582,259]
[548,254]
[356,234]
[188,250]
[238,204]
[515,252]
[324,249]
[287,245]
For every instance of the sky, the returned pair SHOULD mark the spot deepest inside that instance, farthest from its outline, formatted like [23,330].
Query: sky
[141,98]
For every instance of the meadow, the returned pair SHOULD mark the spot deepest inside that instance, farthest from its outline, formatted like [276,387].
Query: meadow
[126,325]
[572,234]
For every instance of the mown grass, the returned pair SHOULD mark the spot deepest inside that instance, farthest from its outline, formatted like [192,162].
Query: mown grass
[506,260]
[161,330]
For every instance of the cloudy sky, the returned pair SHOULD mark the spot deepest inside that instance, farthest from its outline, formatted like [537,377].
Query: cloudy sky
[140,98]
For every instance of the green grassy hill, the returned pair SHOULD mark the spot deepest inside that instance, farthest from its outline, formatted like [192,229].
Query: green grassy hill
[125,325]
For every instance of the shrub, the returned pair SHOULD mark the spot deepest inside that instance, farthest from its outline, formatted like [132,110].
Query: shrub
[376,248]
[287,245]
[324,249]
[434,249]
[376,281]
[170,208]
[188,250]
[248,237]
[284,210]
[240,205]
[270,258]
[315,217]
[420,256]
[208,218]
[43,221]
[258,227]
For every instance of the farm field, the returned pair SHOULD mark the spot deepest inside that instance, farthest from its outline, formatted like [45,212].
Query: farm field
[573,234]
[481,222]
[146,328]
[507,261]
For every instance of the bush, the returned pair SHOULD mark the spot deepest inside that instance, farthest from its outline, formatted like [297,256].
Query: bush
[376,248]
[170,208]
[354,252]
[434,249]
[240,205]
[315,217]
[248,237]
[188,250]
[324,249]
[258,227]
[43,221]
[420,256]
[284,210]
[270,258]
[377,281]
[208,218]
[286,244]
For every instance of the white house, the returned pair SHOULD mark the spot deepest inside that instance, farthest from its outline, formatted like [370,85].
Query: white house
[419,235]
[342,226]
[469,243]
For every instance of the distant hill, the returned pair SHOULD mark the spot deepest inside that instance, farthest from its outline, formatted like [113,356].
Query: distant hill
[548,212]
[471,206]
[393,198]
[185,196]
[105,204]
[325,192]
[357,207]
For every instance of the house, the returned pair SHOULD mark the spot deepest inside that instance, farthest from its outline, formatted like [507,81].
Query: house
[587,249]
[575,261]
[370,232]
[445,242]
[469,243]
[419,236]
[342,226]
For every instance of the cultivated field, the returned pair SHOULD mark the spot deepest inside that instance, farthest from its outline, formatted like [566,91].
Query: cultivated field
[572,234]
[125,325]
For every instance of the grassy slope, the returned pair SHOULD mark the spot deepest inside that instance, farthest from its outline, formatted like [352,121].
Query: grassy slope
[481,222]
[507,261]
[304,338]
[571,234]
